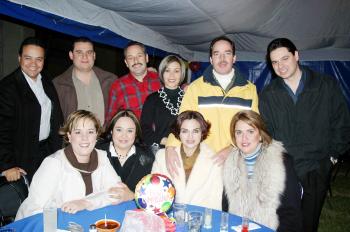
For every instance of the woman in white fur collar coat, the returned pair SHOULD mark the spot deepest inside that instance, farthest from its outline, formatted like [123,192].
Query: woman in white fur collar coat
[259,179]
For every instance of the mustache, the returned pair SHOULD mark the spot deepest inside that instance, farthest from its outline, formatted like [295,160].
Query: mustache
[136,64]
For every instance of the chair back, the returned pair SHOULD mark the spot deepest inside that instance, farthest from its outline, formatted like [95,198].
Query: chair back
[12,194]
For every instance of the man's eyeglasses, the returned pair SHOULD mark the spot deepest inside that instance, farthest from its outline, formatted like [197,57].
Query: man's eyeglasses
[81,53]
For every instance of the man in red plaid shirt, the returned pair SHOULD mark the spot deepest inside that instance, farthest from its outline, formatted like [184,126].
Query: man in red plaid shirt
[131,90]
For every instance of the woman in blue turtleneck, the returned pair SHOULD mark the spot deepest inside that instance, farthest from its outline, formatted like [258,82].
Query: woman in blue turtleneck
[161,108]
[259,178]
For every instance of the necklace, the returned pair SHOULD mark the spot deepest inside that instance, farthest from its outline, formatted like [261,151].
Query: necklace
[122,157]
[119,156]
[170,106]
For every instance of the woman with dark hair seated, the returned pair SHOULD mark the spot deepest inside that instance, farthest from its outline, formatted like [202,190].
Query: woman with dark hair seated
[200,180]
[122,142]
[259,180]
[77,177]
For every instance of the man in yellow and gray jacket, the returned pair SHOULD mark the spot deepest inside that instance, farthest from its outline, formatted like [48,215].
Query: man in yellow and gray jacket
[218,95]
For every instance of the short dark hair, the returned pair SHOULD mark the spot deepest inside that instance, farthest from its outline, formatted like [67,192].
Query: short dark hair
[129,114]
[187,115]
[225,38]
[32,41]
[82,39]
[132,43]
[280,43]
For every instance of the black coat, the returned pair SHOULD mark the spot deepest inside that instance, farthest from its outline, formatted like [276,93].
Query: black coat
[20,114]
[313,129]
[135,167]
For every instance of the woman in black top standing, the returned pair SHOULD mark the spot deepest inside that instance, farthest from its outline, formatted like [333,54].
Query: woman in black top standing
[161,108]
[122,142]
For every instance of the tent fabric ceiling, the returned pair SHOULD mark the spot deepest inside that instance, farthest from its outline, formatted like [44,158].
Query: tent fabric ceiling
[320,29]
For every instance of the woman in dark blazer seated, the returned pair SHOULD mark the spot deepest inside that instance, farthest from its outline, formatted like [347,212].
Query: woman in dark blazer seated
[122,142]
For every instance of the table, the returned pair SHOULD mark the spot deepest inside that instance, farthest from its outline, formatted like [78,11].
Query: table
[116,212]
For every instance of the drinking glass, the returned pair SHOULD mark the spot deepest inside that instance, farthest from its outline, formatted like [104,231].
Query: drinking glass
[75,227]
[179,211]
[195,221]
[207,218]
[50,216]
[224,222]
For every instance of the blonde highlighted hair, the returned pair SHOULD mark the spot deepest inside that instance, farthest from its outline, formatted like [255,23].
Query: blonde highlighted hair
[165,63]
[72,122]
[253,119]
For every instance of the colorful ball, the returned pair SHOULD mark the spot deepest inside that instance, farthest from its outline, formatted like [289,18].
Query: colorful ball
[155,193]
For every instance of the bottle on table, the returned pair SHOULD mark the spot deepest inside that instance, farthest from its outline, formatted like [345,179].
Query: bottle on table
[245,224]
[50,216]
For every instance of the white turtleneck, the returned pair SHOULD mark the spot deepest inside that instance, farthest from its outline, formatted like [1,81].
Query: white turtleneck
[224,80]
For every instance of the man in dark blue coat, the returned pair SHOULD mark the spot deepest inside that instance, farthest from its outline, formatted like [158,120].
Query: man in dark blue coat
[30,114]
[307,111]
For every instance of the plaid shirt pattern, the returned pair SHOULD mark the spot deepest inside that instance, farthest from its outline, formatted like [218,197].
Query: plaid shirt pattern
[128,93]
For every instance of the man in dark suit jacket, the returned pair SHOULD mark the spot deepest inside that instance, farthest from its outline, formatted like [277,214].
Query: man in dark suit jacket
[30,114]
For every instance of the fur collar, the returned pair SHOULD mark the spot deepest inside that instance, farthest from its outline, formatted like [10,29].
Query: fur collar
[258,198]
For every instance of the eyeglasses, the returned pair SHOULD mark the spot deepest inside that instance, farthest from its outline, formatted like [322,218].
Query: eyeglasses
[82,54]
[225,54]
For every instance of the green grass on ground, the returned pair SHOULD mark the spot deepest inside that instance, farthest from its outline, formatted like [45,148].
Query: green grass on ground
[335,216]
